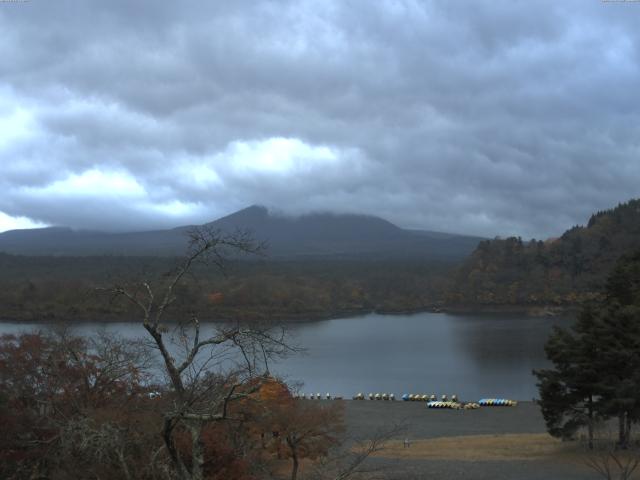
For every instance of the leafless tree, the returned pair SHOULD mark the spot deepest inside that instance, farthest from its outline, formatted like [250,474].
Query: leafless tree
[212,371]
[612,463]
[107,448]
[350,461]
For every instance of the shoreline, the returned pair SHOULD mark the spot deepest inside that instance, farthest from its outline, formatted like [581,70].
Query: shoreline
[485,444]
[541,311]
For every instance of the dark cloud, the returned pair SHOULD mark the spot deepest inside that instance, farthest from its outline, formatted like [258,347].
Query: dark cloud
[493,117]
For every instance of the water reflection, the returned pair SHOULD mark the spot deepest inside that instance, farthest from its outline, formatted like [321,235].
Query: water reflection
[471,355]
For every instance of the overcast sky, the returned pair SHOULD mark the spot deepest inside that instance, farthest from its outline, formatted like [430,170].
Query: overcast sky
[485,117]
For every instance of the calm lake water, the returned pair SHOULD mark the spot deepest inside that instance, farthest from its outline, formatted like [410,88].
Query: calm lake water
[473,356]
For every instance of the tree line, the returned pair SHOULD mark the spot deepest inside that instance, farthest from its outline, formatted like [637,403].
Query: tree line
[64,288]
[565,271]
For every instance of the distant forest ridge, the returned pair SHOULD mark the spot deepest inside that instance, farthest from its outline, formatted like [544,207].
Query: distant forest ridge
[312,235]
[498,274]
[563,271]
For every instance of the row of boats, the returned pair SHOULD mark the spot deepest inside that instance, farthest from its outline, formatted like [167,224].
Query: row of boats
[454,405]
[375,396]
[407,397]
[497,402]
[317,396]
[410,397]
[485,402]
[430,399]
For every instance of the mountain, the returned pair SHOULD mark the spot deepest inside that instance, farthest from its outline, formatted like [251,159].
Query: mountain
[312,235]
[562,271]
[62,241]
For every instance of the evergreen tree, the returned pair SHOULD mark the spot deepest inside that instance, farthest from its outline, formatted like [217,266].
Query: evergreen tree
[619,335]
[596,364]
[570,392]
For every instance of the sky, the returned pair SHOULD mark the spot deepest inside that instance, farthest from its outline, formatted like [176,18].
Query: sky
[495,117]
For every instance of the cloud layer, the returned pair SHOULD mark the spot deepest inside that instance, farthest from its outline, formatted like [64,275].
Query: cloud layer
[491,118]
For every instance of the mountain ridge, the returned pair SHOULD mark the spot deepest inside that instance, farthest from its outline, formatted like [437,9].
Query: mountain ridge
[313,234]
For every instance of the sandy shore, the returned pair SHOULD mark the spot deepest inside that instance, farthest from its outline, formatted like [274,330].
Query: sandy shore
[488,443]
[365,417]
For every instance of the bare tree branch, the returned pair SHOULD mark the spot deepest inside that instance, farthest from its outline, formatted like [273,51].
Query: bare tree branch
[200,396]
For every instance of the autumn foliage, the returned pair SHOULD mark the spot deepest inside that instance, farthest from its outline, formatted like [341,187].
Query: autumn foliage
[75,408]
[67,401]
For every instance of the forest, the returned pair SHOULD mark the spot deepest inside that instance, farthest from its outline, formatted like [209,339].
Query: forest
[564,271]
[511,272]
[68,288]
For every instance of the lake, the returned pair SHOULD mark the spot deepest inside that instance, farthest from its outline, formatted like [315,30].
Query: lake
[473,356]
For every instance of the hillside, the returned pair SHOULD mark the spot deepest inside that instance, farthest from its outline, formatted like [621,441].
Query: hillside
[321,234]
[562,271]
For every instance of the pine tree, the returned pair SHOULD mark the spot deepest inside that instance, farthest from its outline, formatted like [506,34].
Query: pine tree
[619,335]
[570,392]
[596,364]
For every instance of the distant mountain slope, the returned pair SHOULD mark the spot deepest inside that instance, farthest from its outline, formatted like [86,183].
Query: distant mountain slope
[344,234]
[65,241]
[562,271]
[321,234]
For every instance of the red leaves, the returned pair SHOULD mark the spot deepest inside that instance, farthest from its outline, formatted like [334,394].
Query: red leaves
[47,382]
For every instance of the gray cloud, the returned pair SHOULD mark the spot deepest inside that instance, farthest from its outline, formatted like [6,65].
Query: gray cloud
[492,118]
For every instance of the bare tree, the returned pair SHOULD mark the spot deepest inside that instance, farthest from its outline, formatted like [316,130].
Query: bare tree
[212,372]
[351,459]
[604,455]
[613,464]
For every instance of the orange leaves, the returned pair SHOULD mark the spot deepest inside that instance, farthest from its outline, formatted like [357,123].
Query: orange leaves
[273,390]
[215,298]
